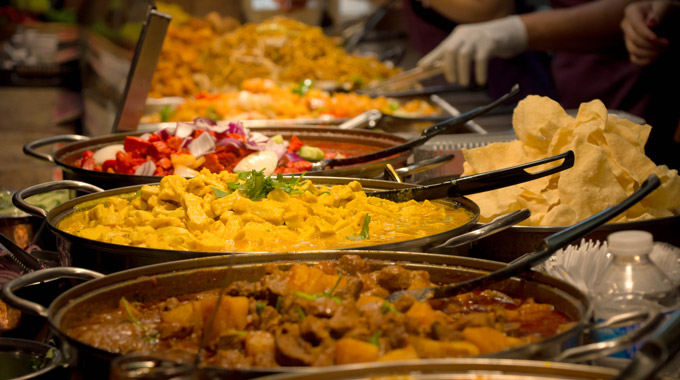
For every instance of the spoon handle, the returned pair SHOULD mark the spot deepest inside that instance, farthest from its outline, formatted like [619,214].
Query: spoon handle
[547,248]
[426,135]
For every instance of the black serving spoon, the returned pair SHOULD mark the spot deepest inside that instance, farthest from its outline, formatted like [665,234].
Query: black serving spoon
[426,135]
[25,260]
[549,245]
[479,182]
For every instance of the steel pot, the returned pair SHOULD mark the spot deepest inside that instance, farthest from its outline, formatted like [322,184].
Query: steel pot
[181,277]
[467,368]
[171,279]
[66,156]
[515,241]
[26,359]
[107,257]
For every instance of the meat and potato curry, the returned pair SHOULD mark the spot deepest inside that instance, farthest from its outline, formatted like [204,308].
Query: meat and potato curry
[334,312]
[248,212]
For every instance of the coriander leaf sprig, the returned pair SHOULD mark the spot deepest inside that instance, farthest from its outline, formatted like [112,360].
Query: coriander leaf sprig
[256,185]
[149,336]
[363,235]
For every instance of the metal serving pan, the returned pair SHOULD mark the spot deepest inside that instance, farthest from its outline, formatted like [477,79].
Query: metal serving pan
[68,154]
[107,257]
[187,276]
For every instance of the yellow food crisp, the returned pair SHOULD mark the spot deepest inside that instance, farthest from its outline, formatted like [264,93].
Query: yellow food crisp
[204,214]
[610,164]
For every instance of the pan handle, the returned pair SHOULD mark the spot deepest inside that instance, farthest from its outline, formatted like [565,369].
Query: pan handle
[9,288]
[30,148]
[651,319]
[499,224]
[425,165]
[363,120]
[19,198]
[478,183]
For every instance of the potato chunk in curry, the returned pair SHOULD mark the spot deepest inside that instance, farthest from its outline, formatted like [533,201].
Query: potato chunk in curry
[248,212]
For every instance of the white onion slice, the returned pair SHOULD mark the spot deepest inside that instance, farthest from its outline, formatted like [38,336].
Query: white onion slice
[184,130]
[266,160]
[202,145]
[147,168]
[184,171]
[107,153]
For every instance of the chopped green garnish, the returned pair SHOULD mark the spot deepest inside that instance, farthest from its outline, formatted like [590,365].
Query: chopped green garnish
[150,337]
[212,114]
[388,307]
[330,295]
[256,185]
[259,306]
[445,220]
[219,193]
[356,80]
[364,230]
[375,338]
[279,300]
[303,87]
[311,153]
[240,333]
[300,312]
[166,114]
[393,106]
[325,192]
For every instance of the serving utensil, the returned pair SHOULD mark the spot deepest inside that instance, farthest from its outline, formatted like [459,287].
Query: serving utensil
[546,249]
[655,352]
[427,134]
[19,256]
[479,182]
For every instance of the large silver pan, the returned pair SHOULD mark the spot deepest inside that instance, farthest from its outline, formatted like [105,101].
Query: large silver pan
[161,281]
[66,156]
[107,257]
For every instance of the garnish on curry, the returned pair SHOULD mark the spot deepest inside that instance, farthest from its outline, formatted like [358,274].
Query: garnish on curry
[334,312]
[251,212]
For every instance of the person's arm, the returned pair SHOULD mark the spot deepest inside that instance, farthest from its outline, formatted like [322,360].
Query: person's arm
[470,11]
[584,28]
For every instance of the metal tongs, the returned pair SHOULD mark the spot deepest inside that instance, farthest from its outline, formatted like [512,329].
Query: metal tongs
[546,249]
[479,182]
[427,134]
[407,79]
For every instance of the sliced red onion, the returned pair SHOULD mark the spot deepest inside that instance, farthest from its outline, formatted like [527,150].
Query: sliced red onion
[165,132]
[186,141]
[228,141]
[279,149]
[202,145]
[204,122]
[7,275]
[256,141]
[145,136]
[147,168]
[184,130]
[258,161]
[293,157]
[237,127]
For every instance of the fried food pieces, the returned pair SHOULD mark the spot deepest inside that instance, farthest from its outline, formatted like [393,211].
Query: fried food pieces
[610,164]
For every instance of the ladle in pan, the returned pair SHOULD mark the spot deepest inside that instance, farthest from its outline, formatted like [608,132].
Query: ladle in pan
[549,245]
[479,182]
[426,135]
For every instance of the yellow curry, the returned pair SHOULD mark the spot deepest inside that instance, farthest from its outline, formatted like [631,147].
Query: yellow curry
[248,212]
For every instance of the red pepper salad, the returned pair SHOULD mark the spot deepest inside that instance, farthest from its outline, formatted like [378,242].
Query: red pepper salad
[189,147]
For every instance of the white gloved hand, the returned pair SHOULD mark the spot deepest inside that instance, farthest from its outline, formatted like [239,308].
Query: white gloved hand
[504,38]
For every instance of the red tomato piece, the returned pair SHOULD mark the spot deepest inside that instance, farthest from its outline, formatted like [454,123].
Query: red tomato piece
[175,143]
[88,154]
[212,162]
[109,164]
[295,144]
[133,144]
[153,138]
[164,163]
[88,163]
[159,149]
